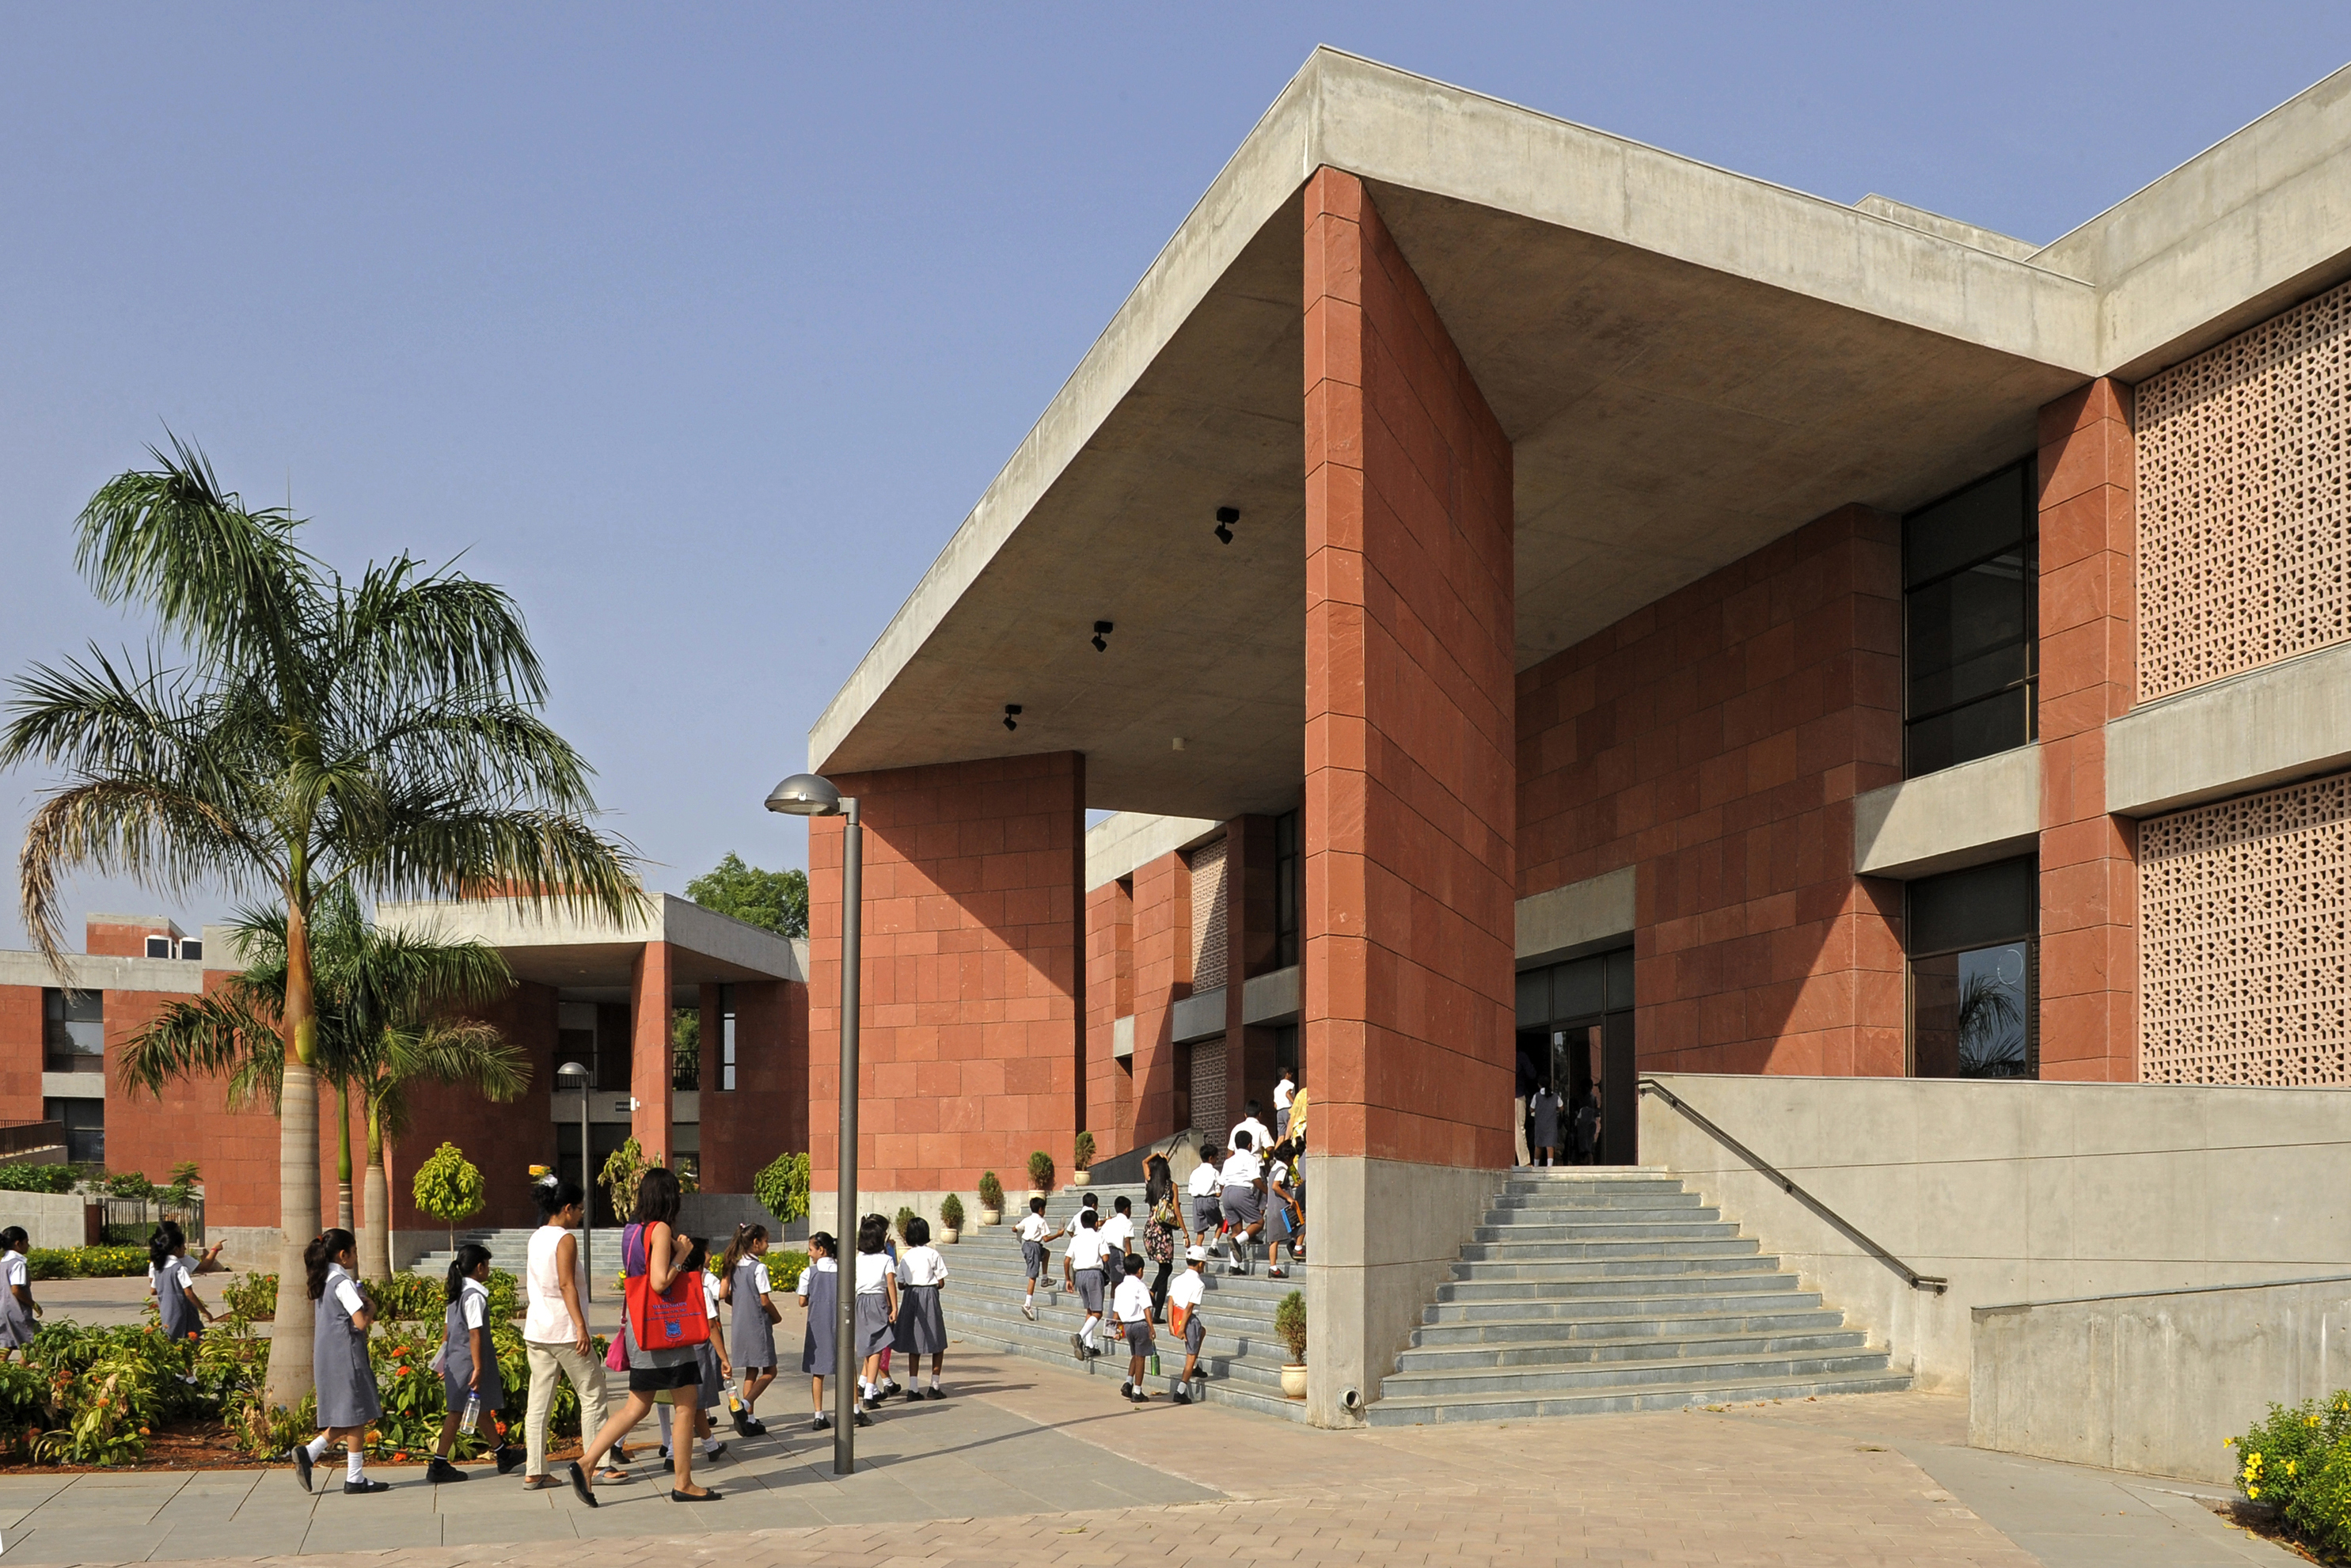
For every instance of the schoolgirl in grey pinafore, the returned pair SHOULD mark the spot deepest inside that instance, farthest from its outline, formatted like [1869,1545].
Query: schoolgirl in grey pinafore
[16,1322]
[751,1336]
[171,1303]
[338,1361]
[921,1327]
[876,1332]
[458,1355]
[816,1346]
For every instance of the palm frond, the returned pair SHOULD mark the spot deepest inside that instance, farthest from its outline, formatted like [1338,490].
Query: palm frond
[221,1032]
[128,825]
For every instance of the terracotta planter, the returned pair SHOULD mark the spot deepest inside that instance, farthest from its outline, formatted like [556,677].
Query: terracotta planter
[991,1217]
[1293,1381]
[948,1233]
[1081,1178]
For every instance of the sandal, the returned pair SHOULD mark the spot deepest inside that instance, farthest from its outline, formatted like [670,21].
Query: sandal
[539,1483]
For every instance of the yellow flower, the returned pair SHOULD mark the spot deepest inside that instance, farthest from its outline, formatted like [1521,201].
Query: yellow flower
[2289,1467]
[2253,1491]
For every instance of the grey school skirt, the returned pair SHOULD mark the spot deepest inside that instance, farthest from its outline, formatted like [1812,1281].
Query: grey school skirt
[921,1327]
[712,1387]
[874,1332]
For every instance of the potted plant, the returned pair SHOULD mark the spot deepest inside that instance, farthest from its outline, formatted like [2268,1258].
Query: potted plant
[1083,1156]
[991,1199]
[950,1219]
[1040,1174]
[904,1217]
[1289,1322]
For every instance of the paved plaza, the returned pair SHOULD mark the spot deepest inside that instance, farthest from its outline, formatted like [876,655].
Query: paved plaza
[1025,1464]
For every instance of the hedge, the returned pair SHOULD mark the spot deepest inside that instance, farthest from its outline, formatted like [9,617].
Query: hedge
[86,1262]
[37,1178]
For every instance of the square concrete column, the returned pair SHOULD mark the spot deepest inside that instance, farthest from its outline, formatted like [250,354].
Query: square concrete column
[1407,1009]
[973,978]
[2089,860]
[649,1068]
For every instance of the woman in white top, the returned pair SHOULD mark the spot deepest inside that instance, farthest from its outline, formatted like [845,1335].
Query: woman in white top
[555,1330]
[922,1328]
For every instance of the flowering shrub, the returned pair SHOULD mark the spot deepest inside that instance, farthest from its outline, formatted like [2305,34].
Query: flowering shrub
[404,1298]
[91,1396]
[2298,1461]
[86,1262]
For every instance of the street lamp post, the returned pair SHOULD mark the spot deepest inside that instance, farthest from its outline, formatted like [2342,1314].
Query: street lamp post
[575,1076]
[807,795]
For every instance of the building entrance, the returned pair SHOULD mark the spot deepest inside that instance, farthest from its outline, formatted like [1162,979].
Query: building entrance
[1575,1038]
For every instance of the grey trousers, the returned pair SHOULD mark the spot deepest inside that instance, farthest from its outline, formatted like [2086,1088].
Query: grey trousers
[587,1375]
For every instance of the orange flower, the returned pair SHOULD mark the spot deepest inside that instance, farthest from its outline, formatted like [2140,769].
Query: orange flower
[143,1431]
[400,1458]
[399,1350]
[404,1371]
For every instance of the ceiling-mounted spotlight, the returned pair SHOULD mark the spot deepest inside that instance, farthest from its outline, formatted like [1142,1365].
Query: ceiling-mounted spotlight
[1011,712]
[1102,630]
[1226,517]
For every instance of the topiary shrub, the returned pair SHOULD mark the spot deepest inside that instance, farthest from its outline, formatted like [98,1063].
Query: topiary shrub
[1289,1322]
[37,1178]
[905,1217]
[1082,1155]
[782,1188]
[1040,1170]
[951,1212]
[991,1192]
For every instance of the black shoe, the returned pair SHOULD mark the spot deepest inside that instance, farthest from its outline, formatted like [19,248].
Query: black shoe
[1078,1346]
[870,1406]
[301,1456]
[1182,1397]
[709,1494]
[509,1456]
[754,1428]
[742,1424]
[361,1488]
[580,1482]
[664,1453]
[863,1419]
[1140,1397]
[438,1470]
[1126,1390]
[937,1393]
[717,1453]
[820,1424]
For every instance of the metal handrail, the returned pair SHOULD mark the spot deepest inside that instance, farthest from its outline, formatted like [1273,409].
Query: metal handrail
[1786,1184]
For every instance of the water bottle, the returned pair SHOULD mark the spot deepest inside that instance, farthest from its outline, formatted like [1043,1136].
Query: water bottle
[1155,1363]
[473,1417]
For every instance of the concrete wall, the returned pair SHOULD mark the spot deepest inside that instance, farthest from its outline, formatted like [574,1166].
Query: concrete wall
[52,1218]
[2153,1382]
[2017,1191]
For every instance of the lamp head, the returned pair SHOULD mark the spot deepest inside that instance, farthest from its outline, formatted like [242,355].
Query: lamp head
[804,795]
[574,1076]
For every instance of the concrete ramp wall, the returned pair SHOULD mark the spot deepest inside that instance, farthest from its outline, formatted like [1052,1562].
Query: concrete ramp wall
[2017,1191]
[2153,1382]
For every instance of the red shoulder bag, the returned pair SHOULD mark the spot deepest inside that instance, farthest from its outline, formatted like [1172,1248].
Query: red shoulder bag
[664,1320]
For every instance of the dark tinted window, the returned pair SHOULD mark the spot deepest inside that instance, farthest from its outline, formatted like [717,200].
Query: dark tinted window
[1973,973]
[1289,887]
[1969,622]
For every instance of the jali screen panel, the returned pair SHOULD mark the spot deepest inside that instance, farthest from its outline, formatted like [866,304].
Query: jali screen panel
[2245,959]
[2244,556]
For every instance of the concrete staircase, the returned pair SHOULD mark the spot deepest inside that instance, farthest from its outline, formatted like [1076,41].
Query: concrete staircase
[1595,1290]
[1242,1357]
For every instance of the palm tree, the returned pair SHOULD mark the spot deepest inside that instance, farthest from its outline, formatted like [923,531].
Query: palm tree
[383,1000]
[381,735]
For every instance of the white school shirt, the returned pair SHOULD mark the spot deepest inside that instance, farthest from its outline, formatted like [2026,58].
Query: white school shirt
[1074,1227]
[1260,1135]
[1116,1232]
[473,1303]
[1241,1169]
[1131,1301]
[873,1267]
[1036,1228]
[1086,1248]
[766,1284]
[710,1295]
[13,1270]
[826,1264]
[1188,1290]
[1282,1095]
[922,1265]
[1203,1180]
[345,1292]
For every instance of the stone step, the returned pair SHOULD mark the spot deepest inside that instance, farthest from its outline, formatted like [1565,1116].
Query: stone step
[1558,1352]
[1405,1410]
[1524,1329]
[1523,1230]
[1672,1265]
[1597,1197]
[1501,1282]
[1599,1214]
[1245,1357]
[1731,1246]
[1536,1381]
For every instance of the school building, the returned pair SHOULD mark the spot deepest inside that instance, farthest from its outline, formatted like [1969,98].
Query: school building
[1542,609]
[606,995]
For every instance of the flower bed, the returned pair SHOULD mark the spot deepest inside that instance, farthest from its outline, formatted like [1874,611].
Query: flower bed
[86,1262]
[2297,1465]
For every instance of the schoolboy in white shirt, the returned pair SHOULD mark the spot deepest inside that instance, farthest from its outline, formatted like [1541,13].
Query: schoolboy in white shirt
[1260,1135]
[1118,1231]
[1035,1231]
[1281,1093]
[1184,1298]
[1131,1307]
[1206,1216]
[1082,1264]
[1243,1179]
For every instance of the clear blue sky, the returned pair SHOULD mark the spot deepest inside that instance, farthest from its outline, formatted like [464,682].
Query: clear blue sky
[701,327]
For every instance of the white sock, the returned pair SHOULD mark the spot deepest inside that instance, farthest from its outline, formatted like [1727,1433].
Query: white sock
[1089,1332]
[709,1445]
[935,1380]
[316,1448]
[663,1410]
[357,1461]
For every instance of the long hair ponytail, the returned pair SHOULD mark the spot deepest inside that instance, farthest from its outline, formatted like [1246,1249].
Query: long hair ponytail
[470,1257]
[747,1236]
[321,1254]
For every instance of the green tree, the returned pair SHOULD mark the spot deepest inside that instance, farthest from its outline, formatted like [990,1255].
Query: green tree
[449,1187]
[383,735]
[777,900]
[386,1021]
[782,1188]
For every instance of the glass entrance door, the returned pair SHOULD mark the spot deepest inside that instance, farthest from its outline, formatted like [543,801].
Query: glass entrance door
[1576,1036]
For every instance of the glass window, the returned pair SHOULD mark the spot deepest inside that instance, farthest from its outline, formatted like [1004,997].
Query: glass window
[85,1125]
[1289,887]
[1968,611]
[1973,979]
[73,1032]
[726,1037]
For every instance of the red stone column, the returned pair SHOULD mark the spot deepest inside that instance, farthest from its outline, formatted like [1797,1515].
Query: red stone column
[1107,1107]
[1162,977]
[648,1070]
[1250,934]
[974,983]
[1410,777]
[2089,872]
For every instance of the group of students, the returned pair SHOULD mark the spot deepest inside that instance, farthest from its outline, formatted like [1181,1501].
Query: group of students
[1254,1180]
[897,1311]
[170,1279]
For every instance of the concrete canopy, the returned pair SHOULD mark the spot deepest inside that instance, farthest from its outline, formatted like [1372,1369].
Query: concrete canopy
[597,957]
[1688,362]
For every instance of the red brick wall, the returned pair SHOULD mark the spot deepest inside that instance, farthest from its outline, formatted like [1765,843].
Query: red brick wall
[1409,818]
[766,1113]
[1108,1109]
[1249,937]
[114,941]
[1716,739]
[2089,876]
[237,1151]
[20,1053]
[649,1065]
[1162,977]
[504,1140]
[974,972]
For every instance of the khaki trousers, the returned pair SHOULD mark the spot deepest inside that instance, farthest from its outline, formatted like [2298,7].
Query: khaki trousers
[1518,1133]
[587,1375]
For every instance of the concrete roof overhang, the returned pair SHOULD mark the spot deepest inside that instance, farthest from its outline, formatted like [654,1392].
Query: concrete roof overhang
[1688,362]
[584,952]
